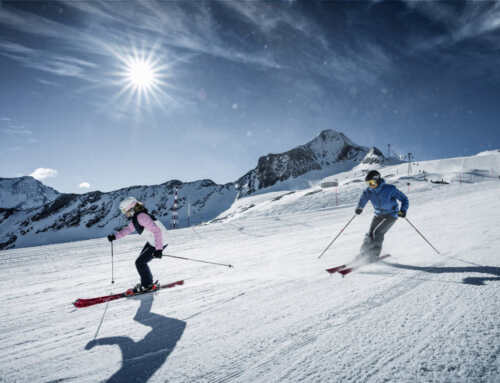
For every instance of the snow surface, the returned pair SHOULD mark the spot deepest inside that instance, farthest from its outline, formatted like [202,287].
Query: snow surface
[277,316]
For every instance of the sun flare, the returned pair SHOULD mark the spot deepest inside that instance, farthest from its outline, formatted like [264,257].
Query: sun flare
[141,74]
[143,77]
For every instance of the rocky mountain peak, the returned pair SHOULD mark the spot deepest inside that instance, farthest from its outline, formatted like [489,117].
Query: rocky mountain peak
[24,193]
[374,156]
[327,149]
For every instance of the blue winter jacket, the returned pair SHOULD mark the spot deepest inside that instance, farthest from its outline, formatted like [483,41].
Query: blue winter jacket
[384,199]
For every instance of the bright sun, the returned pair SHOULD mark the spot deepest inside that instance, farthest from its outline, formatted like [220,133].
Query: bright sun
[141,74]
[143,77]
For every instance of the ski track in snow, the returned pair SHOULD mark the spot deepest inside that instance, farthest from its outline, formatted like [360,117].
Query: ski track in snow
[278,316]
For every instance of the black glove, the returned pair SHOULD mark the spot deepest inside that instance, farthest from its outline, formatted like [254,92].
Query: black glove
[358,210]
[111,237]
[402,213]
[158,254]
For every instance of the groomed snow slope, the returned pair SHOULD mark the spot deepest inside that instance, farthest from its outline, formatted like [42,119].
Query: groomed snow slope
[277,316]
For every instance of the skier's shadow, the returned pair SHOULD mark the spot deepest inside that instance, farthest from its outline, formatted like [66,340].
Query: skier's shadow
[476,281]
[143,358]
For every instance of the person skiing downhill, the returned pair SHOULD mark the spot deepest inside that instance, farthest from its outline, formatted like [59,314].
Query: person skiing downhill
[152,230]
[384,199]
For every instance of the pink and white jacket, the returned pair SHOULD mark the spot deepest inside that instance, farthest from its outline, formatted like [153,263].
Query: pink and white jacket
[154,231]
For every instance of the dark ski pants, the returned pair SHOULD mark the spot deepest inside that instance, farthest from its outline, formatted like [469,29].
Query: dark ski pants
[141,263]
[372,245]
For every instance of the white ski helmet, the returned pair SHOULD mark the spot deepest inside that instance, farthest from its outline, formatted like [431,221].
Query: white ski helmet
[127,204]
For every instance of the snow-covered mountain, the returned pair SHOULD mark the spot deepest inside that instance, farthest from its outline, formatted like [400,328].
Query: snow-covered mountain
[331,150]
[421,176]
[33,214]
[73,217]
[24,193]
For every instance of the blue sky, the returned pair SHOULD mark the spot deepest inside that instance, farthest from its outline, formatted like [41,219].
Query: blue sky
[233,80]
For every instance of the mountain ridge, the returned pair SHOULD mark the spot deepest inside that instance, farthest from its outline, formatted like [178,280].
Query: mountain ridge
[326,150]
[59,217]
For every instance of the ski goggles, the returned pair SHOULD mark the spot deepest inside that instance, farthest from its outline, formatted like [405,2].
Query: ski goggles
[372,183]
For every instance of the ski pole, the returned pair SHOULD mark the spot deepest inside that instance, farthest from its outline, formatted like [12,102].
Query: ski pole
[112,265]
[198,260]
[425,239]
[338,235]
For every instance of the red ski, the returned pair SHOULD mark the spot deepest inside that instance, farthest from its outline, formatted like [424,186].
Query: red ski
[335,269]
[86,302]
[345,269]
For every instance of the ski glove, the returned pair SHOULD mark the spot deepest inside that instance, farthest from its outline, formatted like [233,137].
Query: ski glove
[358,210]
[158,254]
[402,213]
[111,237]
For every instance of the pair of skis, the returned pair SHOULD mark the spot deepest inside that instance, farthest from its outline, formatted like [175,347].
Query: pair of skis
[347,269]
[86,302]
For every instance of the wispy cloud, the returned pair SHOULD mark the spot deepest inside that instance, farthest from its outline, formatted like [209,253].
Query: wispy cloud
[16,131]
[185,30]
[337,60]
[16,48]
[479,20]
[37,25]
[462,21]
[267,17]
[47,82]
[361,64]
[46,61]
[471,24]
[190,27]
[43,173]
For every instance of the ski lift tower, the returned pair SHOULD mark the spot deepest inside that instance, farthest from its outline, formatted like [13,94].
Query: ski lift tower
[174,210]
[410,158]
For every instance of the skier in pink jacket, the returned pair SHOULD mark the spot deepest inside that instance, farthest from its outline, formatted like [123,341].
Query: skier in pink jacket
[152,230]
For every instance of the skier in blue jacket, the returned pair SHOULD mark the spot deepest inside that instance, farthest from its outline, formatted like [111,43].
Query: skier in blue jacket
[384,198]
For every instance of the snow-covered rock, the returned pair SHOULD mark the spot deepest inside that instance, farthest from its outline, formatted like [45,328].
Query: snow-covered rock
[24,193]
[488,152]
[374,156]
[92,215]
[327,150]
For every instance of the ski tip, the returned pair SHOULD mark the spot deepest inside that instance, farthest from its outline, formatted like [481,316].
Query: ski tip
[344,272]
[176,283]
[80,303]
[332,270]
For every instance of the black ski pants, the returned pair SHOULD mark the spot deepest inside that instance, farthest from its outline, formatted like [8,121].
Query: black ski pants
[141,263]
[372,245]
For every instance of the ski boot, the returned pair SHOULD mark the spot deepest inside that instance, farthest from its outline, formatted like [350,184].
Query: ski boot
[140,289]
